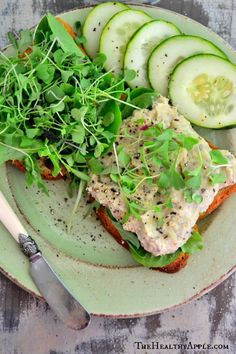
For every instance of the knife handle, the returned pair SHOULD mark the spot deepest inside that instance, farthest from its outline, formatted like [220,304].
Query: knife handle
[9,219]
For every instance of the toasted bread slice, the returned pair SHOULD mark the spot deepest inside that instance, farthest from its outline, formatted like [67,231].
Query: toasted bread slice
[181,261]
[173,267]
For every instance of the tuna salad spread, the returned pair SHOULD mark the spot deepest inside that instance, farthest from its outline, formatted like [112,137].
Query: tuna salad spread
[159,177]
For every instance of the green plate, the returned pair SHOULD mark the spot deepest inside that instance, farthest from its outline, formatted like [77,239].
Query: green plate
[95,268]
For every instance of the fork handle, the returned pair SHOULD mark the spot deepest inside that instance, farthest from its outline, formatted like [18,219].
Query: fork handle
[9,219]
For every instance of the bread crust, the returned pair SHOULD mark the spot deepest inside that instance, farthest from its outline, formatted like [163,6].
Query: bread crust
[221,196]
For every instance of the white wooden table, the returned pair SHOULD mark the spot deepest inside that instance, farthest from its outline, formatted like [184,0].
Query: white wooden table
[28,326]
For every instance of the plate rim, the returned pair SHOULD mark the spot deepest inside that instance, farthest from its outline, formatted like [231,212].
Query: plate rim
[214,283]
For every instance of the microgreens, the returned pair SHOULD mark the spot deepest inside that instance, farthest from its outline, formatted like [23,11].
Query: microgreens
[57,103]
[217,157]
[156,146]
[217,178]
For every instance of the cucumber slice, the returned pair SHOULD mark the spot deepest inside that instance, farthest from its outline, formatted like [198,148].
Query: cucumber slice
[116,35]
[141,45]
[203,88]
[168,53]
[95,22]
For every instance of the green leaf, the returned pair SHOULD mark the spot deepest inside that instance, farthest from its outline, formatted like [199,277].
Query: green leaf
[55,93]
[92,140]
[164,181]
[99,149]
[64,39]
[79,113]
[114,127]
[217,157]
[188,142]
[56,164]
[80,174]
[78,134]
[23,81]
[135,209]
[58,107]
[145,258]
[12,39]
[68,89]
[127,236]
[58,56]
[127,183]
[114,177]
[194,243]
[163,153]
[108,119]
[66,75]
[197,198]
[78,157]
[194,182]
[195,172]
[130,75]
[165,136]
[80,39]
[100,60]
[169,203]
[177,180]
[69,158]
[217,178]
[111,169]
[32,132]
[6,153]
[108,135]
[123,157]
[85,83]
[30,143]
[145,100]
[45,72]
[25,41]
[157,161]
[188,196]
[95,166]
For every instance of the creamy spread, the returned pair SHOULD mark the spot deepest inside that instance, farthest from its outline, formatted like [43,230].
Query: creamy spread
[178,220]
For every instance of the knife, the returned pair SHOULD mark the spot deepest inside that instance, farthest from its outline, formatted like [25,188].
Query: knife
[59,298]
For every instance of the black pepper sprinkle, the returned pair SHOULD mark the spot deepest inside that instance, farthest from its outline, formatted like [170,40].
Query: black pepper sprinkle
[173,213]
[94,30]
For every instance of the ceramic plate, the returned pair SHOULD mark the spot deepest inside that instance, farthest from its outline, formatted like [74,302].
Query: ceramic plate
[95,268]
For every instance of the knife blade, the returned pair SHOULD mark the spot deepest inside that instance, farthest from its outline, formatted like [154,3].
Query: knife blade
[57,295]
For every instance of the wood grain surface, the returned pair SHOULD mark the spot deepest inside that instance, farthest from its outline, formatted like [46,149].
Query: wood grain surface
[28,326]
